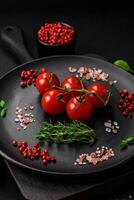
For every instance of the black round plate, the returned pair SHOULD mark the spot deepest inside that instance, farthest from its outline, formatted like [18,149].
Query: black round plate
[14,95]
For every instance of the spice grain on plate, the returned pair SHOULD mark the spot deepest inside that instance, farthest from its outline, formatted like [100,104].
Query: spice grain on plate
[24,117]
[101,154]
[28,77]
[126,103]
[92,74]
[111,126]
[34,152]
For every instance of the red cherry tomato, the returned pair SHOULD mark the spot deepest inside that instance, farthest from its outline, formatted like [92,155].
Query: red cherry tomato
[72,83]
[77,110]
[102,91]
[51,104]
[44,81]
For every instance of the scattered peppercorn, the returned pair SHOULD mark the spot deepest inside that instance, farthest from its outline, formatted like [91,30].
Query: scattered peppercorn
[56,34]
[126,103]
[34,152]
[28,77]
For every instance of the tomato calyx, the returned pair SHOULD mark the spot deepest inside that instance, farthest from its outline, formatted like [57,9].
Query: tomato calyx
[79,109]
[60,97]
[80,99]
[51,78]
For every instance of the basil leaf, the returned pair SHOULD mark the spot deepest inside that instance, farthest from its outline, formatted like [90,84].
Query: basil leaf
[130,140]
[3,108]
[2,104]
[3,112]
[124,143]
[123,65]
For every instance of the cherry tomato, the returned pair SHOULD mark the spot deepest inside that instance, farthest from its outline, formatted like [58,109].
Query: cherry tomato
[51,104]
[102,91]
[72,83]
[44,81]
[79,110]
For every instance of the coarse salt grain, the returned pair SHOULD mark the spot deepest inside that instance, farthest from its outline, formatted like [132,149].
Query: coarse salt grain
[24,118]
[108,130]
[17,108]
[107,124]
[72,69]
[115,123]
[25,127]
[100,155]
[115,131]
[93,74]
[16,120]
[111,126]
[31,107]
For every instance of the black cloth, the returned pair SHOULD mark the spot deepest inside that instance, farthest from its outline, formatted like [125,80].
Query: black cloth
[39,186]
[105,32]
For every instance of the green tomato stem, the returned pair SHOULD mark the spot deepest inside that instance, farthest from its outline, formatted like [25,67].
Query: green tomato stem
[85,92]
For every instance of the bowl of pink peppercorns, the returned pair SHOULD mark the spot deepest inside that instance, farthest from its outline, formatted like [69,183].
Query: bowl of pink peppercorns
[56,38]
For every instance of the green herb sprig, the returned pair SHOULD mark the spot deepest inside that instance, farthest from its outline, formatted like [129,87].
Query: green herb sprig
[128,141]
[73,132]
[3,108]
[124,65]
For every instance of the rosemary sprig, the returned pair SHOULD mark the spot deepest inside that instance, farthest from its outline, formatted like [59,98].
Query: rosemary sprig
[3,108]
[73,132]
[128,141]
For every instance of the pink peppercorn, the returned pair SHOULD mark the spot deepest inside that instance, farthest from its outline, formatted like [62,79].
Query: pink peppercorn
[28,77]
[34,152]
[56,34]
[126,103]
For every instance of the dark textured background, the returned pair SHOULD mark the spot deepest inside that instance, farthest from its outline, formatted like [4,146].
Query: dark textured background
[103,28]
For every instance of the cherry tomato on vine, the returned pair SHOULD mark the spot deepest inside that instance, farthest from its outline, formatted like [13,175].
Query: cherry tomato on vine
[52,104]
[72,83]
[102,91]
[45,80]
[79,109]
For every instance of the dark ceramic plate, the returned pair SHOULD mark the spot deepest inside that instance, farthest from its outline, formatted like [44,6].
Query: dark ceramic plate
[14,95]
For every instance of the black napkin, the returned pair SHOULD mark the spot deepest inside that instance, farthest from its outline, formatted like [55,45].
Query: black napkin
[37,186]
